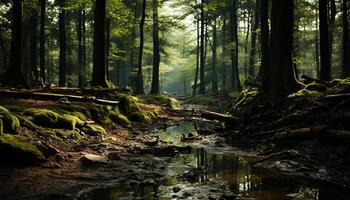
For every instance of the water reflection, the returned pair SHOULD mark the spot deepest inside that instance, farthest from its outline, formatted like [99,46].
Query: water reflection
[216,166]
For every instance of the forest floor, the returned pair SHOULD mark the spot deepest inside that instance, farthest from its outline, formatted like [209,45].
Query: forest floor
[70,150]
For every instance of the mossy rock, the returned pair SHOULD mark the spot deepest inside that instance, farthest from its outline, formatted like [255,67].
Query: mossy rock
[304,92]
[51,119]
[161,100]
[81,112]
[10,121]
[94,130]
[141,116]
[27,123]
[118,118]
[42,117]
[19,148]
[100,114]
[1,127]
[127,104]
[318,87]
[70,122]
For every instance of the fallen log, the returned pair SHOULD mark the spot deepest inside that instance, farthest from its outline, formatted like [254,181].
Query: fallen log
[205,114]
[218,116]
[55,97]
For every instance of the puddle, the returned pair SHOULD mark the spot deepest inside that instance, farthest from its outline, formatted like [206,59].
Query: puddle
[211,173]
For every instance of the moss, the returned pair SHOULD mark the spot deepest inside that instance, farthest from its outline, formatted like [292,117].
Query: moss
[318,87]
[10,122]
[118,118]
[203,100]
[304,92]
[127,104]
[94,130]
[19,145]
[27,123]
[69,122]
[161,100]
[78,111]
[1,127]
[43,117]
[100,114]
[48,118]
[141,116]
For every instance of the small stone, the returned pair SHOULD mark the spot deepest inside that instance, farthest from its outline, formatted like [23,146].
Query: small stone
[93,159]
[114,156]
[176,189]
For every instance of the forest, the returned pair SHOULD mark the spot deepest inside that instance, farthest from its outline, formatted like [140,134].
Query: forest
[174,99]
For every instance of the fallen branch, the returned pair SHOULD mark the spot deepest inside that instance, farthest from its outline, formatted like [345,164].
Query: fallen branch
[55,97]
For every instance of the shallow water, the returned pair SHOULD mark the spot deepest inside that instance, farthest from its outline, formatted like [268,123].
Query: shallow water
[210,172]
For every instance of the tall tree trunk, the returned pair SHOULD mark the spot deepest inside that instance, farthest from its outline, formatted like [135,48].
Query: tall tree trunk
[42,38]
[63,44]
[346,41]
[108,44]
[4,56]
[246,47]
[33,43]
[202,61]
[80,47]
[197,59]
[282,81]
[14,77]
[333,12]
[83,77]
[325,68]
[255,26]
[139,84]
[156,53]
[265,40]
[215,78]
[317,48]
[224,29]
[99,75]
[234,49]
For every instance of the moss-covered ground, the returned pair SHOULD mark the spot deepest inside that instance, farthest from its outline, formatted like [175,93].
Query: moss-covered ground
[34,127]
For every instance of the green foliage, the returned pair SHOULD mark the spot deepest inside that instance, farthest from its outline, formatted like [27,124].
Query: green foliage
[10,121]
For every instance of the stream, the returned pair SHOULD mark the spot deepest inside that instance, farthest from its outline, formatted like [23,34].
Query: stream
[213,171]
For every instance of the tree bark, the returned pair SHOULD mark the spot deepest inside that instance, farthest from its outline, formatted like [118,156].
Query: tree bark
[99,75]
[139,84]
[224,29]
[255,26]
[156,53]
[63,44]
[215,78]
[13,77]
[236,85]
[108,44]
[33,43]
[282,81]
[42,38]
[325,69]
[265,39]
[346,41]
[80,47]
[197,59]
[202,61]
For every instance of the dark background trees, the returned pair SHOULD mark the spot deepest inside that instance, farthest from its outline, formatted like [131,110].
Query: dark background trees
[179,46]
